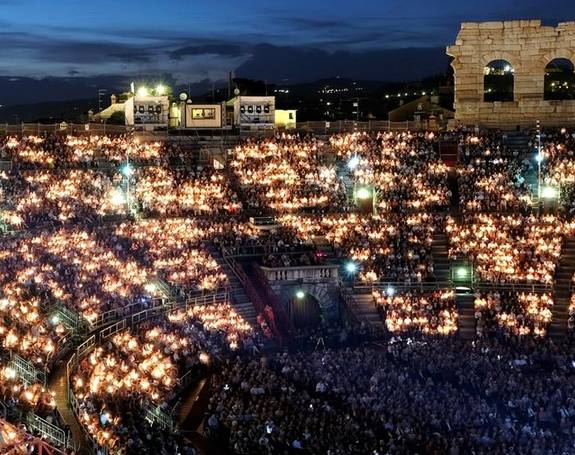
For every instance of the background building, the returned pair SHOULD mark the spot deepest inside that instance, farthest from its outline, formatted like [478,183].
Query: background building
[286,118]
[252,112]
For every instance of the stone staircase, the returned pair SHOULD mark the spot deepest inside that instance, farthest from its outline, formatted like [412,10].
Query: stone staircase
[364,310]
[240,300]
[324,247]
[466,316]
[190,413]
[58,383]
[344,175]
[516,144]
[562,290]
[440,255]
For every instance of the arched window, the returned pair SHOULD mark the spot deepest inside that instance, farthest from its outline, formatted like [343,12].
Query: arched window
[498,81]
[559,80]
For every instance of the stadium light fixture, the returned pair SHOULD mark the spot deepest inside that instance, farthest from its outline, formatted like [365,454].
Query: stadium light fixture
[461,272]
[549,192]
[363,193]
[160,89]
[143,91]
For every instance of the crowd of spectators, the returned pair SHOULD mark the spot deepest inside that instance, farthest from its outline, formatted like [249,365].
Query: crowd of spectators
[439,395]
[413,394]
[386,248]
[430,313]
[509,248]
[403,168]
[513,313]
[558,164]
[286,174]
[133,372]
[492,184]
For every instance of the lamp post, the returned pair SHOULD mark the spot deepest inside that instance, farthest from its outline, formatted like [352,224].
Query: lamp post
[127,171]
[539,158]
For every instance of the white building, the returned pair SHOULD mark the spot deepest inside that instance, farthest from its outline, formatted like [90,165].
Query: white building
[149,111]
[253,112]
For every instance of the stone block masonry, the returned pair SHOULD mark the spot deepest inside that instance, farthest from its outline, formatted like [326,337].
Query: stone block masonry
[528,47]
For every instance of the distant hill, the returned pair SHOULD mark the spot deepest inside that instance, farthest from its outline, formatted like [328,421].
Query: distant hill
[295,65]
[49,112]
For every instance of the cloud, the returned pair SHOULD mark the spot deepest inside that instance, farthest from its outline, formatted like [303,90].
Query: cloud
[228,50]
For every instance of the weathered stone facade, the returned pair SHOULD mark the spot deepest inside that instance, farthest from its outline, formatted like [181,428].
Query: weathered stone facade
[528,47]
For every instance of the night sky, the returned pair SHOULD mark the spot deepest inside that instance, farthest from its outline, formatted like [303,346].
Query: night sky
[292,41]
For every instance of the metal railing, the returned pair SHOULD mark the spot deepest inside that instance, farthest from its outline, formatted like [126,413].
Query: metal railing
[47,430]
[318,127]
[348,126]
[517,287]
[156,416]
[111,316]
[401,286]
[24,442]
[264,221]
[26,371]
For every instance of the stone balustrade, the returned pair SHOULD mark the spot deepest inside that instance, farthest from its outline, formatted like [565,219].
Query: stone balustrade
[313,273]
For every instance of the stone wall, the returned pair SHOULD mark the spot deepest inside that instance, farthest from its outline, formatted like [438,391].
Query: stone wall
[528,47]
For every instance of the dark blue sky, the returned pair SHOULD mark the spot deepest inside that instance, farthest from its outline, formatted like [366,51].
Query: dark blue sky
[195,40]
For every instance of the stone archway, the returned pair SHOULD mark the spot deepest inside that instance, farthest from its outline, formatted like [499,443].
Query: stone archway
[498,81]
[559,79]
[325,293]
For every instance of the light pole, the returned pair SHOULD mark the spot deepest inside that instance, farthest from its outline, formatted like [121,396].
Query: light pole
[539,159]
[127,171]
[101,92]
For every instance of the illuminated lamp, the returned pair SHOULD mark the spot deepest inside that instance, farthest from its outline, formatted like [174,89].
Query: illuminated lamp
[549,192]
[363,193]
[143,91]
[351,267]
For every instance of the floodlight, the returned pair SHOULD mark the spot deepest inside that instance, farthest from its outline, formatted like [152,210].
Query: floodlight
[353,162]
[363,193]
[549,192]
[143,91]
[461,272]
[351,267]
[300,294]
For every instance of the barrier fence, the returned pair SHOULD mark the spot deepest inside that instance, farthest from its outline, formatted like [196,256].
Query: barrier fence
[47,430]
[25,370]
[400,286]
[317,127]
